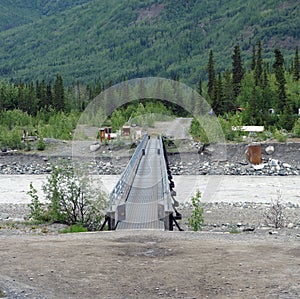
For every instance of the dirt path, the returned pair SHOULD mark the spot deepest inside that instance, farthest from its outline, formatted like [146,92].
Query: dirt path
[150,264]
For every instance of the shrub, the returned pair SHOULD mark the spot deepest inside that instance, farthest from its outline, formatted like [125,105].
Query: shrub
[274,216]
[37,210]
[196,220]
[280,136]
[41,145]
[72,198]
[296,129]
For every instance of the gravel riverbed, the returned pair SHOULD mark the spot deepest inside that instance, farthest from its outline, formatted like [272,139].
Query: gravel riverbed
[230,202]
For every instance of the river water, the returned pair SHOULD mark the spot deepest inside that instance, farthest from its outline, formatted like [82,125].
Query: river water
[257,189]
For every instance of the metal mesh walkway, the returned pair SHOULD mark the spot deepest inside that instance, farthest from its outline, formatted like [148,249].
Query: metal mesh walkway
[141,207]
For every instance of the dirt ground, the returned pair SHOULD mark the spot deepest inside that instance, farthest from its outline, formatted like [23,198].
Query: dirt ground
[150,264]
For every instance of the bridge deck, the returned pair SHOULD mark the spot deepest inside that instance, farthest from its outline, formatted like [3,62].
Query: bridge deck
[141,207]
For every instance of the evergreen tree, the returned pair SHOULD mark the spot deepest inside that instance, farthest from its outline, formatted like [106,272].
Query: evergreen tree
[253,112]
[49,97]
[200,86]
[31,100]
[265,80]
[278,67]
[253,61]
[217,96]
[237,70]
[296,66]
[228,93]
[258,66]
[58,94]
[211,74]
[41,94]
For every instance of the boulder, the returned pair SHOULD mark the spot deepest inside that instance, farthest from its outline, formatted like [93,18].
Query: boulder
[270,150]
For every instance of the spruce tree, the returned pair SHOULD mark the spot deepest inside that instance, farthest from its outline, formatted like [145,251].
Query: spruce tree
[258,66]
[200,86]
[49,97]
[253,61]
[217,96]
[237,70]
[296,66]
[58,94]
[278,67]
[41,93]
[211,74]
[229,98]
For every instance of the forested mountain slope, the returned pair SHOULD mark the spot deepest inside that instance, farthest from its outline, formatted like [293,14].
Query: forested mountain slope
[112,39]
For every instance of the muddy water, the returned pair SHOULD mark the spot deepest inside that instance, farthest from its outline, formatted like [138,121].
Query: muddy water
[14,188]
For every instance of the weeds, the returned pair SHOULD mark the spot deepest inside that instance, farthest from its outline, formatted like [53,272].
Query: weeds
[196,220]
[275,214]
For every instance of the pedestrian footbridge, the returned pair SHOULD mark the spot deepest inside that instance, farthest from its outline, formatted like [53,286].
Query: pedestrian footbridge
[143,198]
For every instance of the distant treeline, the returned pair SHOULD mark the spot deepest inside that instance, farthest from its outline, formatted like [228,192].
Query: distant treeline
[262,94]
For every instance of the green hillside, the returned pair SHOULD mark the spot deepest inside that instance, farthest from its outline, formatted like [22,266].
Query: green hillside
[84,40]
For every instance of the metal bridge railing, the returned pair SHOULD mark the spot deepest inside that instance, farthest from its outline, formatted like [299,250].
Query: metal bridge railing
[166,203]
[120,192]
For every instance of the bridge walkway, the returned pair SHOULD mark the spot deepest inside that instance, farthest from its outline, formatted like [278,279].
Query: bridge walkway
[142,204]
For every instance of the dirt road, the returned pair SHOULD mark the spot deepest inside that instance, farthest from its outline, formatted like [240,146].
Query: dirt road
[150,264]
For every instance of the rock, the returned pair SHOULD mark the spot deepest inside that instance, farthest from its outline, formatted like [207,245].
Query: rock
[273,162]
[286,165]
[94,147]
[270,150]
[4,216]
[259,166]
[249,229]
[290,225]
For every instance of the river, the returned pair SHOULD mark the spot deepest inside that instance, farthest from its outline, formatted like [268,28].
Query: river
[257,189]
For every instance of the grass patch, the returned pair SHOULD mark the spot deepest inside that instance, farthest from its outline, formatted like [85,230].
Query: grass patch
[76,228]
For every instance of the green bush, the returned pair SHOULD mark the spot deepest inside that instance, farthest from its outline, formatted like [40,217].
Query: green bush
[37,209]
[280,136]
[296,128]
[196,220]
[71,198]
[11,138]
[41,145]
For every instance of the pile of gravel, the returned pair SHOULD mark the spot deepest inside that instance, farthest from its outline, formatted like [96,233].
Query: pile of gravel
[270,167]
